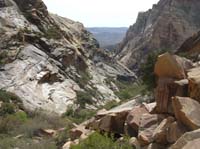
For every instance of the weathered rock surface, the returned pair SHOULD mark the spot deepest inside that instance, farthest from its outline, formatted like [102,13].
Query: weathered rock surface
[133,119]
[166,26]
[160,133]
[113,122]
[190,140]
[175,131]
[187,111]
[47,59]
[171,66]
[167,88]
[194,81]
[148,124]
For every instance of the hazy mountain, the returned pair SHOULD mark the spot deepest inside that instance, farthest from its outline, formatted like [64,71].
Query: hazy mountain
[164,27]
[108,37]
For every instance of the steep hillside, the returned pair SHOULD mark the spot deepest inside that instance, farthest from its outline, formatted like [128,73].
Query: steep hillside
[48,61]
[108,37]
[164,27]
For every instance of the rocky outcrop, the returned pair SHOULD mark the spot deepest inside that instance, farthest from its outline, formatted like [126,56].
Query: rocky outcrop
[133,120]
[171,72]
[194,80]
[164,27]
[188,140]
[187,112]
[191,46]
[166,122]
[175,131]
[46,59]
[172,66]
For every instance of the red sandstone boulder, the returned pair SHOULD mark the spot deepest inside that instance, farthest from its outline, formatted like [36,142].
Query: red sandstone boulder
[175,131]
[187,111]
[160,133]
[190,140]
[172,66]
[133,119]
[148,124]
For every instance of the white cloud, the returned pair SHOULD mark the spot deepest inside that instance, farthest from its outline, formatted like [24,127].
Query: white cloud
[100,12]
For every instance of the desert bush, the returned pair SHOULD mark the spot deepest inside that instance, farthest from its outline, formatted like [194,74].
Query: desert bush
[9,123]
[98,141]
[7,108]
[62,137]
[84,98]
[25,143]
[8,96]
[111,104]
[79,115]
[53,33]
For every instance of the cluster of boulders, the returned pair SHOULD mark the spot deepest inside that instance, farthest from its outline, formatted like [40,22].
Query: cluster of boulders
[172,121]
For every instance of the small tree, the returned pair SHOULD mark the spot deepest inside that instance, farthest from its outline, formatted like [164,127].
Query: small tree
[147,69]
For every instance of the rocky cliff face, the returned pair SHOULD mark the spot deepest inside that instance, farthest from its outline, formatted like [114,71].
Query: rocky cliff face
[46,59]
[164,27]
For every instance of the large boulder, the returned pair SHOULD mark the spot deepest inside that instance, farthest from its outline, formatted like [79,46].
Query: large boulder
[160,133]
[187,111]
[113,122]
[148,124]
[166,88]
[175,131]
[194,83]
[190,140]
[172,66]
[133,119]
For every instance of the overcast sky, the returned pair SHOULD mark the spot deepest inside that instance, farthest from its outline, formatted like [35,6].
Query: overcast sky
[100,13]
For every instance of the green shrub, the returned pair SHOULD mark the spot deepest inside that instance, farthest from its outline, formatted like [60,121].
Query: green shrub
[98,141]
[84,98]
[83,79]
[32,127]
[21,115]
[62,137]
[25,143]
[79,115]
[130,90]
[7,108]
[9,123]
[8,96]
[53,33]
[3,57]
[111,104]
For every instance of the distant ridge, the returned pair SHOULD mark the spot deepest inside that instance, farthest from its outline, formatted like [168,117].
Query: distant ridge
[108,37]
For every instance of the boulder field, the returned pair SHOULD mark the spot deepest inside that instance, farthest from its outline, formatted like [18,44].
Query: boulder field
[172,121]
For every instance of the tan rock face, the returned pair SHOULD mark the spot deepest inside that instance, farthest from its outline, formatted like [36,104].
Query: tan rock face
[148,124]
[189,140]
[168,65]
[133,118]
[163,92]
[113,122]
[160,133]
[187,111]
[175,131]
[167,88]
[194,83]
[166,26]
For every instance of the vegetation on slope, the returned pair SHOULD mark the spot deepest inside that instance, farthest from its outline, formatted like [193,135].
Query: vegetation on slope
[99,141]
